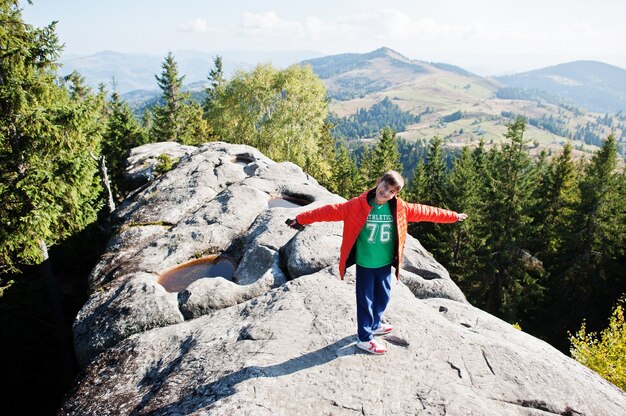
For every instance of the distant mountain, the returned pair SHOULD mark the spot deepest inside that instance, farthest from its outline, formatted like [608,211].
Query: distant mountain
[596,86]
[439,99]
[463,108]
[353,75]
[137,71]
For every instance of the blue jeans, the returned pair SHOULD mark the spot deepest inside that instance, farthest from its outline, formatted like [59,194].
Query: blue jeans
[373,290]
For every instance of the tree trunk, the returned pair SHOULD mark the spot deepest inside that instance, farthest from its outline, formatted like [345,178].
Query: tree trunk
[105,181]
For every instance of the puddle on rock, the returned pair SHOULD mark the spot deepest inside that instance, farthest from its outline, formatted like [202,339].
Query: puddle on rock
[286,202]
[178,278]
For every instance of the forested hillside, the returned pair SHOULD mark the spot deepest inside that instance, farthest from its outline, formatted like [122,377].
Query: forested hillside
[367,123]
[544,245]
[481,108]
[432,92]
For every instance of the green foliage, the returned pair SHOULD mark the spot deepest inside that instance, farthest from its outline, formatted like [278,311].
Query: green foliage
[177,119]
[416,190]
[457,115]
[436,180]
[604,353]
[542,234]
[382,157]
[464,241]
[429,187]
[49,187]
[367,123]
[511,272]
[556,199]
[164,163]
[593,255]
[123,132]
[279,112]
[321,164]
[411,153]
[216,81]
[346,179]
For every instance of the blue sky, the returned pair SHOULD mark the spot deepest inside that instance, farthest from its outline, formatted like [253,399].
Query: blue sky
[485,36]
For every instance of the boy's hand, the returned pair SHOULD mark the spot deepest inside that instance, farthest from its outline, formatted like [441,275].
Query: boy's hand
[294,224]
[461,217]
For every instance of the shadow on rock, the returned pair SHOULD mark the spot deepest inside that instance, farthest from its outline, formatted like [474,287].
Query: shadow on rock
[225,386]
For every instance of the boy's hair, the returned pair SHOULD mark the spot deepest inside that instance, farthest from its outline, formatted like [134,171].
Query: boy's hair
[393,178]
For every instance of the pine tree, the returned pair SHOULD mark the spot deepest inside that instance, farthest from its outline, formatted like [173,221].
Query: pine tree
[49,186]
[510,274]
[76,86]
[382,157]
[177,119]
[463,242]
[48,183]
[216,81]
[416,191]
[386,154]
[367,169]
[557,195]
[435,181]
[594,279]
[433,188]
[123,132]
[347,180]
[168,117]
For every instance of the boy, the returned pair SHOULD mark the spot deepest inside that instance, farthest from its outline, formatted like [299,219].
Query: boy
[374,233]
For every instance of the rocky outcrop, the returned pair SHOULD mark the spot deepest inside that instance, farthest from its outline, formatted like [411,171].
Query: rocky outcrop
[143,160]
[291,352]
[277,337]
[215,201]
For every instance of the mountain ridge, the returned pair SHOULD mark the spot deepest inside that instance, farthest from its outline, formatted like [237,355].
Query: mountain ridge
[573,81]
[136,71]
[600,86]
[433,91]
[483,106]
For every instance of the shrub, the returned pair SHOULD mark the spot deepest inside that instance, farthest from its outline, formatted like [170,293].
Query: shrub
[164,163]
[606,353]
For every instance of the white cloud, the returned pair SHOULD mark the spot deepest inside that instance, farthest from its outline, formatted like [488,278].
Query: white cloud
[386,24]
[197,25]
[270,25]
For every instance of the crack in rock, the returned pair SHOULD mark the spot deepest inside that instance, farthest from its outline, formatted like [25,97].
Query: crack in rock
[487,362]
[455,368]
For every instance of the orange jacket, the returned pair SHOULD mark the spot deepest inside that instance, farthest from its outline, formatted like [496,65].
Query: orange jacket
[354,214]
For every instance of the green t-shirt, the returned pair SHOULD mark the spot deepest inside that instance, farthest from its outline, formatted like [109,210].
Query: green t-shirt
[377,239]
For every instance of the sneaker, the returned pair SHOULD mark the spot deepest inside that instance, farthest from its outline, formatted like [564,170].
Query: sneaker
[373,347]
[383,329]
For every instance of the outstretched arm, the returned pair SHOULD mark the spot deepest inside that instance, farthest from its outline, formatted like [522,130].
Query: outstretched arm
[419,212]
[332,212]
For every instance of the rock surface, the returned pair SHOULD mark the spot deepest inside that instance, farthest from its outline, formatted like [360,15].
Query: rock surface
[279,338]
[143,160]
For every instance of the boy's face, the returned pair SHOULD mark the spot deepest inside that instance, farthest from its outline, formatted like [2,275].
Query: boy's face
[385,191]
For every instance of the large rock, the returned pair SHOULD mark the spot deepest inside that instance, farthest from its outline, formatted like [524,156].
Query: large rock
[216,201]
[137,305]
[277,337]
[291,352]
[143,160]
